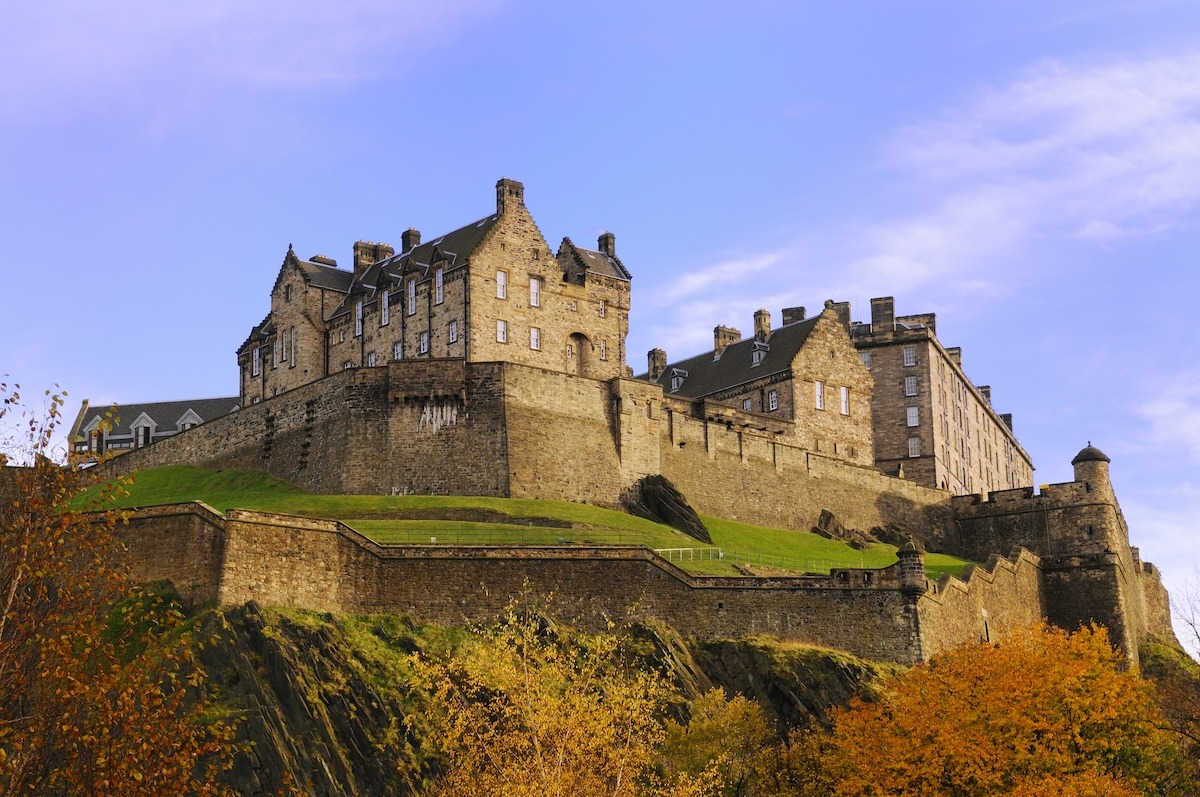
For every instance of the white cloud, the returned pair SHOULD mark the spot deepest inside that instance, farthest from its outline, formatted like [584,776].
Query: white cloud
[1172,413]
[57,54]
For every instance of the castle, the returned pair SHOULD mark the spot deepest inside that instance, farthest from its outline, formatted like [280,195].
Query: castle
[482,363]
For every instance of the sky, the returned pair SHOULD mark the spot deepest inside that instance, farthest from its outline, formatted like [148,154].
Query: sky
[1028,171]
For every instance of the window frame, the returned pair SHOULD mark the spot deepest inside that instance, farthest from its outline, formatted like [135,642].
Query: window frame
[535,291]
[910,356]
[912,417]
[501,284]
[453,330]
[844,396]
[914,447]
[423,342]
[411,296]
[911,388]
[501,331]
[819,394]
[385,309]
[535,338]
[439,286]
[358,318]
[772,400]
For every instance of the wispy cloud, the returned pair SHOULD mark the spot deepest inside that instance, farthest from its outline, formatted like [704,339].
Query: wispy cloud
[59,53]
[1172,414]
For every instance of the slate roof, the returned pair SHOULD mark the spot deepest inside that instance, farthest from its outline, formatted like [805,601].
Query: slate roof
[706,375]
[573,259]
[165,414]
[328,277]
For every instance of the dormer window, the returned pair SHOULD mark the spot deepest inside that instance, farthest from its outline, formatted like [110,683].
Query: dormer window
[759,352]
[677,377]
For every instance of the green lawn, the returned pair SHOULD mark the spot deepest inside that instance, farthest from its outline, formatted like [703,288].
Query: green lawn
[422,519]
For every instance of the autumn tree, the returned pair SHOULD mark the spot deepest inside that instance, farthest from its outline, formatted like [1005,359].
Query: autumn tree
[1042,711]
[726,738]
[97,679]
[524,709]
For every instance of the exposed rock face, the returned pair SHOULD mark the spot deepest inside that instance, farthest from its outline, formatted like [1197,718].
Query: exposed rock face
[655,498]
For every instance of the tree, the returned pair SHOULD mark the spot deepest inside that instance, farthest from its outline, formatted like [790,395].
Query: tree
[97,679]
[728,737]
[528,710]
[1042,710]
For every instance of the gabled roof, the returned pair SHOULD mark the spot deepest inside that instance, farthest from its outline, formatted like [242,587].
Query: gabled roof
[574,260]
[328,277]
[164,414]
[706,375]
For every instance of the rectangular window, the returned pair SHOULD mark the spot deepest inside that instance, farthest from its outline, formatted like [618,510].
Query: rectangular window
[845,396]
[501,331]
[910,355]
[275,352]
[914,446]
[535,338]
[385,310]
[910,386]
[866,358]
[819,394]
[454,331]
[346,366]
[412,297]
[256,361]
[293,347]
[773,400]
[676,382]
[283,348]
[603,351]
[747,404]
[439,287]
[535,292]
[914,416]
[501,284]
[398,351]
[603,308]
[357,319]
[424,343]
[371,359]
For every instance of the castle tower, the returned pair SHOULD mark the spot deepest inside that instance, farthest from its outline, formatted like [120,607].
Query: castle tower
[1091,466]
[912,569]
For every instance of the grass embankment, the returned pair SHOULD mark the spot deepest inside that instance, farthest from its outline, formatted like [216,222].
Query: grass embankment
[422,519]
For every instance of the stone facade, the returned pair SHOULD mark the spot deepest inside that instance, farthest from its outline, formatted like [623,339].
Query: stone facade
[932,424]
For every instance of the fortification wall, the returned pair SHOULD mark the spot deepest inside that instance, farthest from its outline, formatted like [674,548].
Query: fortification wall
[1095,589]
[755,476]
[180,543]
[987,603]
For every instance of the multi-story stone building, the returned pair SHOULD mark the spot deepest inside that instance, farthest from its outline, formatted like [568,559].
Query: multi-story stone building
[805,372]
[931,423]
[104,430]
[491,291]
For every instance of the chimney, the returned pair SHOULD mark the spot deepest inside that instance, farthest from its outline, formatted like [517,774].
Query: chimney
[607,243]
[722,337]
[955,355]
[509,193]
[792,315]
[883,314]
[1007,418]
[843,313]
[369,252]
[656,363]
[762,325]
[986,390]
[410,239]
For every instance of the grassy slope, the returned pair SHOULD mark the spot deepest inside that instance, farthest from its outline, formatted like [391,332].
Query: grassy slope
[376,517]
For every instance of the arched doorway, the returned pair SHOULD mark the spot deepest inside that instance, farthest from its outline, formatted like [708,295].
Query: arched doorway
[578,354]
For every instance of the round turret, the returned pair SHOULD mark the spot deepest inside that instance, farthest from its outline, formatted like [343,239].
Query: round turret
[1091,465]
[912,568]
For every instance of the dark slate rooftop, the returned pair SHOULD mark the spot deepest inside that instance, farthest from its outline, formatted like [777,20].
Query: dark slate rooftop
[573,258]
[706,375]
[328,277]
[165,414]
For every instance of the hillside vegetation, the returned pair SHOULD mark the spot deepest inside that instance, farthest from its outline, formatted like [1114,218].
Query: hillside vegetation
[426,519]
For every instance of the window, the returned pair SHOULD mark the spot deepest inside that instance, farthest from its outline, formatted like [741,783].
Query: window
[275,352]
[760,351]
[425,343]
[341,336]
[385,311]
[910,355]
[412,297]
[603,351]
[574,306]
[287,293]
[293,347]
[346,366]
[501,284]
[535,292]
[914,416]
[398,351]
[914,446]
[255,361]
[845,397]
[454,331]
[866,358]
[677,377]
[535,338]
[747,404]
[357,318]
[98,441]
[439,287]
[371,359]
[910,386]
[773,400]
[141,436]
[501,331]
[603,308]
[819,394]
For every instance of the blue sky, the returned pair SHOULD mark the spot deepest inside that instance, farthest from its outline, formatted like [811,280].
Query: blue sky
[1030,171]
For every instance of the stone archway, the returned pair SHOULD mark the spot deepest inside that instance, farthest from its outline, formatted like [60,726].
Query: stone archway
[578,354]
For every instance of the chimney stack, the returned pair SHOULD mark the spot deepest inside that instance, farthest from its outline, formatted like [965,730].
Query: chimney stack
[607,243]
[656,363]
[955,354]
[722,337]
[843,312]
[762,325]
[883,314]
[792,315]
[368,252]
[986,390]
[410,239]
[509,193]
